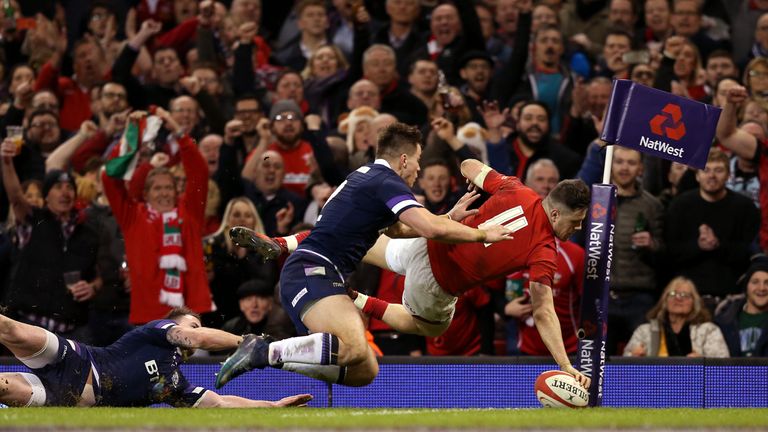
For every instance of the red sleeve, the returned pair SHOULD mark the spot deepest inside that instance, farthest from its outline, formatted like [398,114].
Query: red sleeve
[196,193]
[178,36]
[92,147]
[136,183]
[542,263]
[494,181]
[121,204]
[48,78]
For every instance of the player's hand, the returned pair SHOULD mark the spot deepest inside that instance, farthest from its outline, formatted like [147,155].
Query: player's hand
[582,379]
[459,211]
[294,401]
[497,233]
[519,308]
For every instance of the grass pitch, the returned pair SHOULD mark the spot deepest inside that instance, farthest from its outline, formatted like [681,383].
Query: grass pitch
[348,418]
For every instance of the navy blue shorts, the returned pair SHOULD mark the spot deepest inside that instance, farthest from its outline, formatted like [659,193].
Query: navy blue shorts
[65,379]
[305,279]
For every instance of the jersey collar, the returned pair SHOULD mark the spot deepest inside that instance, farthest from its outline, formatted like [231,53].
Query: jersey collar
[382,162]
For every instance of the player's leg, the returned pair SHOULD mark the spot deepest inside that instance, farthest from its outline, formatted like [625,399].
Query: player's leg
[338,316]
[21,390]
[377,255]
[28,342]
[267,247]
[426,309]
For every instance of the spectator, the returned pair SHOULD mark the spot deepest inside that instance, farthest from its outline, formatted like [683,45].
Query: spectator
[743,318]
[719,65]
[313,25]
[679,70]
[361,141]
[586,101]
[657,25]
[643,74]
[622,15]
[364,93]
[475,69]
[585,23]
[171,226]
[279,208]
[259,312]
[230,266]
[756,80]
[455,30]
[43,131]
[55,254]
[612,65]
[531,141]
[287,124]
[744,176]
[679,325]
[437,185]
[686,21]
[402,32]
[709,230]
[423,79]
[636,251]
[379,66]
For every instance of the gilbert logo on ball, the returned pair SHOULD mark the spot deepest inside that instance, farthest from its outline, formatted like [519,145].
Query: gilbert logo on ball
[558,389]
[659,123]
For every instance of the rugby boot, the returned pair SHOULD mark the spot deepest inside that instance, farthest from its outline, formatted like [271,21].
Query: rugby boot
[264,246]
[253,353]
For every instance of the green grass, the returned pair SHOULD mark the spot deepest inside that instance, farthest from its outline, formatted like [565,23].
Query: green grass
[307,418]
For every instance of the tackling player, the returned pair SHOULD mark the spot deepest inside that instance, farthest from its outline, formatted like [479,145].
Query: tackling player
[140,369]
[437,273]
[312,282]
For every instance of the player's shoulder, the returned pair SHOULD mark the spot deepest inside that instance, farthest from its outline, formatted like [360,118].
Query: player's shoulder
[160,324]
[571,248]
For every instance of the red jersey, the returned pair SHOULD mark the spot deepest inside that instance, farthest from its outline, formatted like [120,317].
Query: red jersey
[459,267]
[298,163]
[568,285]
[761,156]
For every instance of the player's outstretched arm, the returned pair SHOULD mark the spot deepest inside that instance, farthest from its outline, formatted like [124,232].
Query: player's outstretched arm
[475,171]
[212,399]
[548,326]
[457,213]
[202,338]
[426,224]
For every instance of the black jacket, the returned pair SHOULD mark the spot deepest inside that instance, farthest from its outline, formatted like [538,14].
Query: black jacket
[727,317]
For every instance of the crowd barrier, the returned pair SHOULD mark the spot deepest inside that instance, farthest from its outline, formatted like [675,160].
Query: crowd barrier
[505,382]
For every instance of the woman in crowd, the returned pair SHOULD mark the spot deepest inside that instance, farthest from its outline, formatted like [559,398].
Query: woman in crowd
[679,325]
[229,266]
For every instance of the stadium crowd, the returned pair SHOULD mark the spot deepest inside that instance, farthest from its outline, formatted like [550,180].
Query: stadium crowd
[137,132]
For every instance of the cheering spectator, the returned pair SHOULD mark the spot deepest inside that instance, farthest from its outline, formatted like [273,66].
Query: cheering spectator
[679,325]
[169,226]
[743,318]
[56,254]
[402,32]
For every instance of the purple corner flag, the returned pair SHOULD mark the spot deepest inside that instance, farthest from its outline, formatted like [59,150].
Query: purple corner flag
[660,124]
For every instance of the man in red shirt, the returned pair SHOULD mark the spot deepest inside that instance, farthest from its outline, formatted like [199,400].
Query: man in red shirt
[438,273]
[747,146]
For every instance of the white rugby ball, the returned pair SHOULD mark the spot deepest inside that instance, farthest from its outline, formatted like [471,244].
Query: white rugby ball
[558,389]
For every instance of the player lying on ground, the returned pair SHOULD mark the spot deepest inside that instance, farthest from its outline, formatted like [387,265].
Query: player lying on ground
[140,369]
[439,272]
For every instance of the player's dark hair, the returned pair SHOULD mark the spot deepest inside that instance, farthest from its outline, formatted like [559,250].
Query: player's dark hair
[396,139]
[180,312]
[574,194]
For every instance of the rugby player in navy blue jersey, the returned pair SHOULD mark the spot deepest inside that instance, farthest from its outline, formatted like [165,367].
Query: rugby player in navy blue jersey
[375,197]
[140,369]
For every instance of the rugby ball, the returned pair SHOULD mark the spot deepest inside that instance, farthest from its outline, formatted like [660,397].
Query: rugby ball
[558,389]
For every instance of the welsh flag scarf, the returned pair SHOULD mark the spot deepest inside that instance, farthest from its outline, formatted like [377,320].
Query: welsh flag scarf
[172,262]
[136,133]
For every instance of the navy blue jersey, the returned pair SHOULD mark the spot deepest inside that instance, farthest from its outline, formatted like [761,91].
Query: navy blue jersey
[370,199]
[142,368]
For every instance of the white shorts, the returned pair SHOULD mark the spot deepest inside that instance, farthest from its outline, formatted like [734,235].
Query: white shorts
[422,297]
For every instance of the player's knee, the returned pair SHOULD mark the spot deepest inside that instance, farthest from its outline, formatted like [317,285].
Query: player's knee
[354,353]
[364,374]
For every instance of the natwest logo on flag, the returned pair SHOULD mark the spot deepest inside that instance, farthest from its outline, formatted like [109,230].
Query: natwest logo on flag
[654,122]
[669,122]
